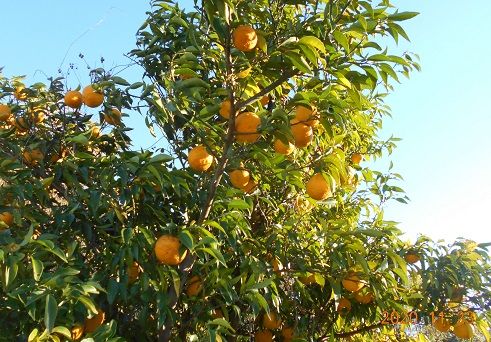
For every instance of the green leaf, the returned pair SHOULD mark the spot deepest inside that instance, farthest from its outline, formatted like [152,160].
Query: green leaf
[402,16]
[298,61]
[63,331]
[37,268]
[88,303]
[313,42]
[50,312]
[341,39]
[186,239]
[112,290]
[238,204]
[160,158]
[120,81]
[222,322]
[79,139]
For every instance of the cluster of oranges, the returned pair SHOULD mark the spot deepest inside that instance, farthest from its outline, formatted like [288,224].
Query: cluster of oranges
[302,128]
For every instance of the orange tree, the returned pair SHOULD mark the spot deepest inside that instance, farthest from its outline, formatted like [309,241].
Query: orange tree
[257,218]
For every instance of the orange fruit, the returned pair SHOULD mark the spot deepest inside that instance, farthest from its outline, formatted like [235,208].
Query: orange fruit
[6,218]
[91,97]
[167,250]
[91,324]
[95,132]
[33,157]
[271,321]
[411,258]
[276,265]
[77,331]
[344,306]
[199,159]
[250,186]
[244,38]
[287,333]
[225,109]
[308,280]
[356,158]
[246,125]
[113,118]
[302,133]
[306,116]
[73,99]
[133,272]
[195,285]
[352,283]
[318,188]
[463,329]
[20,94]
[5,112]
[264,100]
[20,124]
[442,324]
[263,336]
[37,115]
[363,298]
[281,148]
[239,178]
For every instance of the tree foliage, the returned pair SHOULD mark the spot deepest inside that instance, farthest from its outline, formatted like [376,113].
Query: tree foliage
[79,259]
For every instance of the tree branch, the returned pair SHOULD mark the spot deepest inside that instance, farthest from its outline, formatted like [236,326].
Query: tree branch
[358,331]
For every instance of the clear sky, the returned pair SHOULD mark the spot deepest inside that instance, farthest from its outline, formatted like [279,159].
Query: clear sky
[442,113]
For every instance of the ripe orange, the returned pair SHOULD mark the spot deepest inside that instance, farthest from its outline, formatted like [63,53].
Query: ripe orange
[276,266]
[442,324]
[199,159]
[363,298]
[307,280]
[263,336]
[306,116]
[77,331]
[33,157]
[95,132]
[91,324]
[5,112]
[318,188]
[73,99]
[20,124]
[133,272]
[302,133]
[281,148]
[411,258]
[246,125]
[37,115]
[344,306]
[91,97]
[6,218]
[113,118]
[287,333]
[167,250]
[250,187]
[271,321]
[195,285]
[356,158]
[239,178]
[264,100]
[20,94]
[352,283]
[244,38]
[463,329]
[225,108]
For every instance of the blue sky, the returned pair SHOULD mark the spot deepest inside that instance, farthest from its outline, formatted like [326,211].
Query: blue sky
[442,113]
